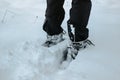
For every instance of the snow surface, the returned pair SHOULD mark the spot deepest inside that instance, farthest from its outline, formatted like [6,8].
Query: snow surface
[23,58]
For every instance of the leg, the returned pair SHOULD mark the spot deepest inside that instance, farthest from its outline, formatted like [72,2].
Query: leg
[54,17]
[79,15]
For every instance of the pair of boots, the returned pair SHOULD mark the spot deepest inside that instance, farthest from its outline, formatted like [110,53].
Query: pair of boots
[72,49]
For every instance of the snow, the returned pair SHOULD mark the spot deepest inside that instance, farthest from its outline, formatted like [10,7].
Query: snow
[23,58]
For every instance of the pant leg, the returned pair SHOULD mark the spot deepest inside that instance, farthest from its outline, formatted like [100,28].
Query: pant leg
[79,16]
[54,17]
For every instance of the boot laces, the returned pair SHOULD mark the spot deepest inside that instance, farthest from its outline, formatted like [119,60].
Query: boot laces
[76,46]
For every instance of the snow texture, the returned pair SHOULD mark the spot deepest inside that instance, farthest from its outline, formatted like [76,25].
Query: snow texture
[23,58]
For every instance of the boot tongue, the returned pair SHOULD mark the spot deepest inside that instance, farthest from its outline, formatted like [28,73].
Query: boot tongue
[77,46]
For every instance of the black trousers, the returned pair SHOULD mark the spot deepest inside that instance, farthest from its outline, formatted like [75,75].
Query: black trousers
[79,16]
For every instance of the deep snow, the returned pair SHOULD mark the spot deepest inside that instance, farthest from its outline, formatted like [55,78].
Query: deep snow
[23,58]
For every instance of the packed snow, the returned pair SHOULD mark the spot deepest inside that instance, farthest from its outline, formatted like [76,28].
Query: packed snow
[22,56]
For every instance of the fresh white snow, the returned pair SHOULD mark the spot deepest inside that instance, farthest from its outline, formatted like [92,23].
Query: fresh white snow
[23,58]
